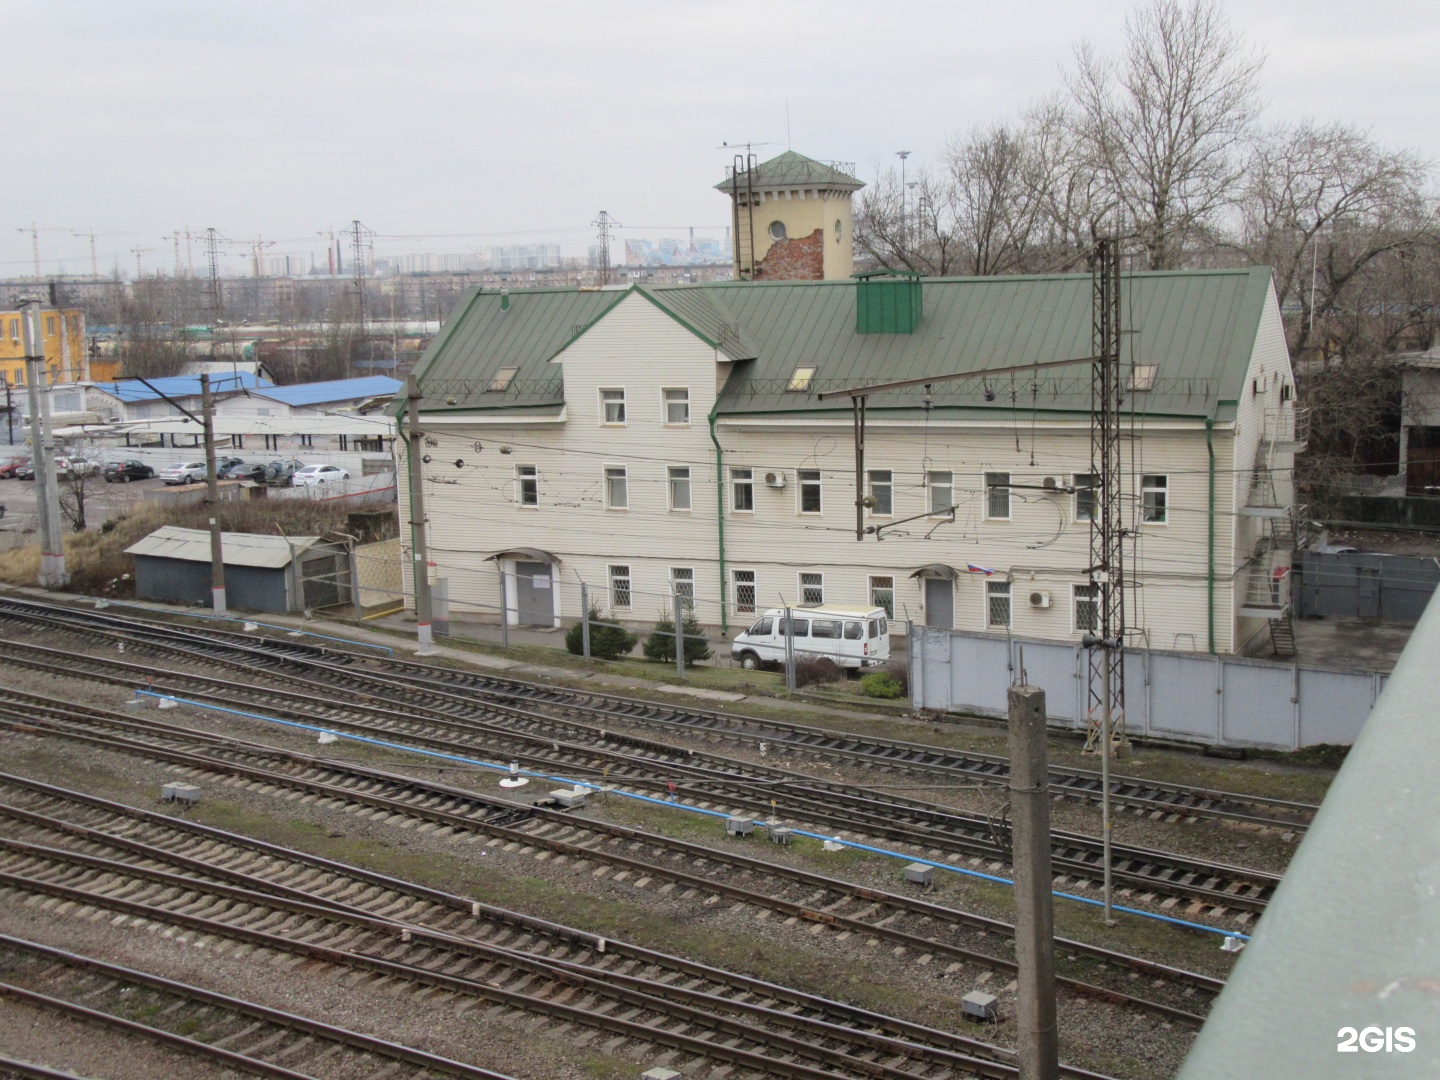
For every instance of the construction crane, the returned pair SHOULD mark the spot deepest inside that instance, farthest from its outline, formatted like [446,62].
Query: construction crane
[94,257]
[35,231]
[137,252]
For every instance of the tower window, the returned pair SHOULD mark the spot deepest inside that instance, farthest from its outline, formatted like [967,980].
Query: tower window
[837,230]
[777,230]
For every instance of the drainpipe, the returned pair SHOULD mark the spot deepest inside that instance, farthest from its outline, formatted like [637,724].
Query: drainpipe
[720,518]
[1210,571]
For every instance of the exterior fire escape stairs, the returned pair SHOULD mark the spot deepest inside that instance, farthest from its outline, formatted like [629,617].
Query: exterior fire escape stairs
[1267,579]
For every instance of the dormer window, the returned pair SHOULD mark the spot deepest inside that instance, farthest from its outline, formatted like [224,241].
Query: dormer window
[1142,377]
[502,380]
[801,380]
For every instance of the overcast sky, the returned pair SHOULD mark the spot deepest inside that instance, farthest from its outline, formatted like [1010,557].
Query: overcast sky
[480,123]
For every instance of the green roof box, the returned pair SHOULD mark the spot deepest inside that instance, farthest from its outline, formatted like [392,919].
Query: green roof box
[887,302]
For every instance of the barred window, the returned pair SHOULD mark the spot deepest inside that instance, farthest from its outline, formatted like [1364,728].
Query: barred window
[682,584]
[882,594]
[619,586]
[744,590]
[812,588]
[997,604]
[997,496]
[1087,608]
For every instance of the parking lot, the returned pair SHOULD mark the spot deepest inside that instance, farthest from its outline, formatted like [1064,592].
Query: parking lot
[102,500]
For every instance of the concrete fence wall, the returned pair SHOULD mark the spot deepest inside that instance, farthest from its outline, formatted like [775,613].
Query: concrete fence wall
[1217,700]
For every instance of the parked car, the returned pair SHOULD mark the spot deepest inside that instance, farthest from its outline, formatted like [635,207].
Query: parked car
[280,473]
[852,637]
[9,465]
[123,472]
[225,467]
[184,473]
[246,470]
[66,467]
[25,471]
[311,475]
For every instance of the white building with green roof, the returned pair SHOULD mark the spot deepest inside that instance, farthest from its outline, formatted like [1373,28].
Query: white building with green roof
[662,439]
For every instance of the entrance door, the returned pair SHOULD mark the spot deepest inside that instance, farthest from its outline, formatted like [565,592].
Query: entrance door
[534,606]
[1422,461]
[940,603]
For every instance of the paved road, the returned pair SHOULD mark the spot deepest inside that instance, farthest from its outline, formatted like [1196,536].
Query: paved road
[102,500]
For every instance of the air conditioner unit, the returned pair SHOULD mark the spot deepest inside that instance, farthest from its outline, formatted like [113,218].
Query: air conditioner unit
[1050,483]
[1040,599]
[775,479]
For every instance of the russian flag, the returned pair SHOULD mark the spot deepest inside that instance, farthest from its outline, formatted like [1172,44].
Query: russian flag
[972,568]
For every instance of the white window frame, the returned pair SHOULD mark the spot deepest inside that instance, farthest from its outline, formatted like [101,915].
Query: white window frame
[871,484]
[1075,479]
[665,402]
[735,583]
[992,592]
[988,490]
[605,421]
[802,379]
[736,483]
[625,478]
[889,611]
[931,487]
[670,479]
[800,483]
[1164,489]
[687,598]
[800,587]
[1075,627]
[628,578]
[520,479]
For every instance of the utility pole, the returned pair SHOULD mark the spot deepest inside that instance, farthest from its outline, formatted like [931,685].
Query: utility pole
[1105,639]
[902,155]
[1037,1037]
[421,572]
[53,574]
[212,495]
[358,235]
[605,223]
[9,413]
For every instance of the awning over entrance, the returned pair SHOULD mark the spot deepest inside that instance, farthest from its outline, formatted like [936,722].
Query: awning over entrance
[526,555]
[937,570]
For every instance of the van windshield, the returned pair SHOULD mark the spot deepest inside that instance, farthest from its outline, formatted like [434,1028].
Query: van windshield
[760,629]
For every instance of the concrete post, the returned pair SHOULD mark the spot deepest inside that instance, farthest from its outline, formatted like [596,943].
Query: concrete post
[585,621]
[789,651]
[504,607]
[421,572]
[212,496]
[53,574]
[356,604]
[1038,1049]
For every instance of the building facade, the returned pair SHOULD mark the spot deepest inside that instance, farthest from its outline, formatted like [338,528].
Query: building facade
[62,330]
[657,441]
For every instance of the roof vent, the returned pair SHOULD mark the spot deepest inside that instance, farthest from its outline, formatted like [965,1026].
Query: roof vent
[887,302]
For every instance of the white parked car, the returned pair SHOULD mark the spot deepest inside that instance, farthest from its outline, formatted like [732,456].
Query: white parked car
[853,637]
[185,473]
[318,474]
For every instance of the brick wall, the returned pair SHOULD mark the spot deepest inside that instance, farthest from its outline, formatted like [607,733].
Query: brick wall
[800,258]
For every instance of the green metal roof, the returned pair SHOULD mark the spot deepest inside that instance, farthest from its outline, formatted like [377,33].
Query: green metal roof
[791,170]
[1197,327]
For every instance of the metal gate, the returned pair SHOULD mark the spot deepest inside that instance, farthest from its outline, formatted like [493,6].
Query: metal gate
[534,596]
[940,603]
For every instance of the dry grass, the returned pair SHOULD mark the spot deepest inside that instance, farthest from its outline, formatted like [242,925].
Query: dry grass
[99,566]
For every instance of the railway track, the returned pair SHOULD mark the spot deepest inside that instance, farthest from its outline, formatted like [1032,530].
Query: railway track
[1137,795]
[702,874]
[450,723]
[573,982]
[225,1030]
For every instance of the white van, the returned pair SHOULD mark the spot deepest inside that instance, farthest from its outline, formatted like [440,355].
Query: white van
[852,637]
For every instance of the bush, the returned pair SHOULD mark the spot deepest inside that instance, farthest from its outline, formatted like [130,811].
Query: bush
[816,669]
[881,684]
[890,681]
[660,645]
[606,642]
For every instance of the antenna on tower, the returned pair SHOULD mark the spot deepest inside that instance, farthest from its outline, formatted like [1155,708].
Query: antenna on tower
[605,223]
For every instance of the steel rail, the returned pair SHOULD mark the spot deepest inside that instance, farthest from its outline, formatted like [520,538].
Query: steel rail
[502,828]
[1142,795]
[894,818]
[329,1032]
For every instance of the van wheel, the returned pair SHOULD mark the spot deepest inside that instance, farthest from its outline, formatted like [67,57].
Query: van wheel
[749,661]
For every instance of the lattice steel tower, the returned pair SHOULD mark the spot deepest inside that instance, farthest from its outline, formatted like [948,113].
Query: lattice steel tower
[1105,637]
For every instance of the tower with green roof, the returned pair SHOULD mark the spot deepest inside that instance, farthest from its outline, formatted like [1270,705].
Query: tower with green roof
[792,219]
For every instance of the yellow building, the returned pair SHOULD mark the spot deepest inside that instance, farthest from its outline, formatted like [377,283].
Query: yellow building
[63,332]
[792,220]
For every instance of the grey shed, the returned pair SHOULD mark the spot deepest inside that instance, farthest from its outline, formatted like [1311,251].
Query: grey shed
[262,573]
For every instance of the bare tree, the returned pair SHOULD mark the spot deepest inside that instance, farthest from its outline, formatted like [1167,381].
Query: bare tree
[1166,123]
[994,198]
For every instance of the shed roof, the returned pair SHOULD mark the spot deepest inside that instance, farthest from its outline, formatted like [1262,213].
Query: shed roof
[791,170]
[1196,327]
[240,549]
[181,386]
[319,393]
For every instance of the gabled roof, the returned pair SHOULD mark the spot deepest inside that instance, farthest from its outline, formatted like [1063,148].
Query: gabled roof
[240,549]
[319,393]
[181,386]
[789,171]
[1197,328]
